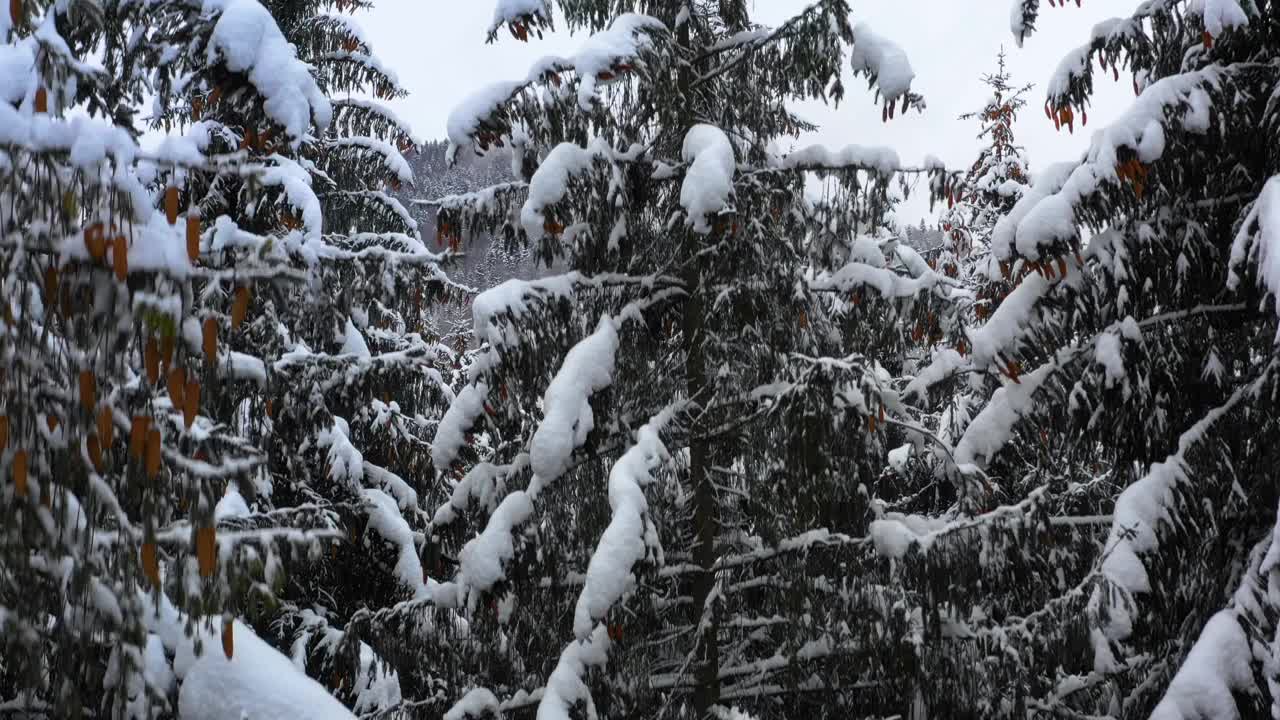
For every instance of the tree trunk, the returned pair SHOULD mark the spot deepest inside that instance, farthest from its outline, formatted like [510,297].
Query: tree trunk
[706,524]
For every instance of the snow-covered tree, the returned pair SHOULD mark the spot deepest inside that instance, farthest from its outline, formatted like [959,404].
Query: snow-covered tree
[357,373]
[998,177]
[996,180]
[661,466]
[217,373]
[1124,464]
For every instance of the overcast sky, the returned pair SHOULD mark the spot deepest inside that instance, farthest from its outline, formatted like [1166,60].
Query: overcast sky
[437,47]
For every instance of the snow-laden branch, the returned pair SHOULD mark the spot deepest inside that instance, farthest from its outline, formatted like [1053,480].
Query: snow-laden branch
[1146,505]
[881,60]
[623,47]
[630,533]
[249,41]
[1258,241]
[1045,218]
[511,300]
[567,418]
[550,183]
[390,156]
[566,686]
[707,189]
[1220,665]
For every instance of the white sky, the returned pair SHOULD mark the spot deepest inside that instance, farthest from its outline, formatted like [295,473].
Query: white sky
[437,47]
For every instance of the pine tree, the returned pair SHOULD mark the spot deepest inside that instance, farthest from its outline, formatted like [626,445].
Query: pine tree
[715,365]
[1127,446]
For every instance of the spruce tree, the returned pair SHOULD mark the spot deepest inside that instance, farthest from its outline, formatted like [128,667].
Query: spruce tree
[357,372]
[998,177]
[1123,564]
[661,466]
[219,380]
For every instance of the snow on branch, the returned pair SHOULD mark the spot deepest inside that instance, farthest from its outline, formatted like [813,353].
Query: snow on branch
[882,160]
[629,534]
[1179,102]
[518,13]
[1147,504]
[1047,221]
[550,183]
[1219,666]
[388,155]
[882,61]
[1258,241]
[482,558]
[566,686]
[629,38]
[509,300]
[256,682]
[482,483]
[1022,19]
[708,182]
[992,428]
[1006,325]
[452,431]
[386,520]
[618,51]
[249,41]
[895,533]
[348,109]
[887,282]
[567,418]
[477,201]
[1220,15]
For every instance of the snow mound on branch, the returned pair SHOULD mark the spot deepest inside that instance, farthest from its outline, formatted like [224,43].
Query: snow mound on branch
[248,39]
[881,159]
[470,114]
[17,70]
[386,520]
[391,157]
[481,559]
[451,433]
[565,687]
[1048,217]
[1006,324]
[567,418]
[296,182]
[477,703]
[507,11]
[597,61]
[881,59]
[1219,15]
[232,505]
[550,183]
[1262,223]
[623,42]
[257,683]
[353,342]
[993,427]
[1217,666]
[708,183]
[624,542]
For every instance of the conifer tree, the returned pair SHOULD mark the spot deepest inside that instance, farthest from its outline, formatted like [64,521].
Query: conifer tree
[689,421]
[1123,465]
[217,374]
[357,372]
[997,179]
